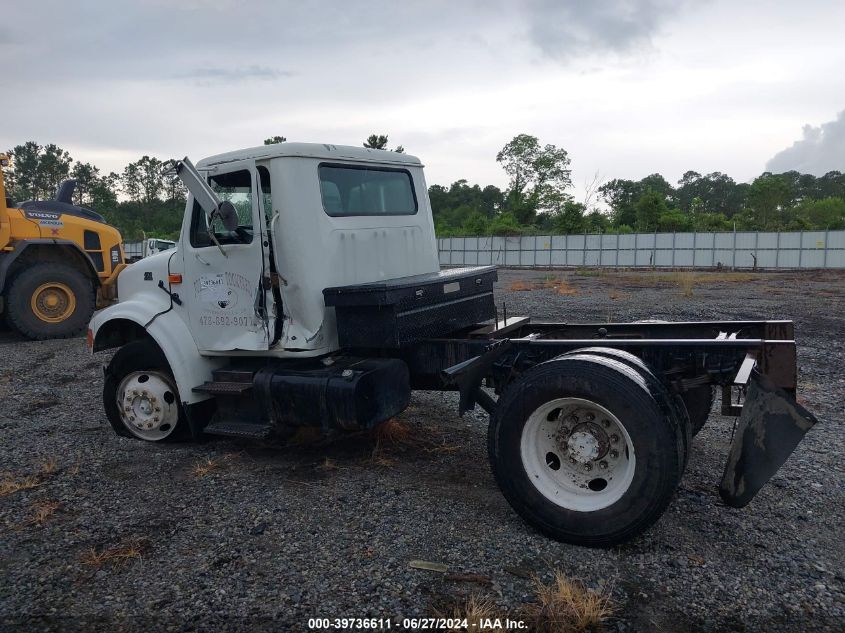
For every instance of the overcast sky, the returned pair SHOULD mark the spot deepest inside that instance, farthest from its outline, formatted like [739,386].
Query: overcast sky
[627,87]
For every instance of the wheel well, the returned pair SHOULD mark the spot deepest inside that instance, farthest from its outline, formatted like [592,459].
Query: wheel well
[119,332]
[63,254]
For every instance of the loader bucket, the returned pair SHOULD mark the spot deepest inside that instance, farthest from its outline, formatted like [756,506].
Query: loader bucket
[771,425]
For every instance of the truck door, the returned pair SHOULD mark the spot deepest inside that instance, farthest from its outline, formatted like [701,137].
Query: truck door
[226,294]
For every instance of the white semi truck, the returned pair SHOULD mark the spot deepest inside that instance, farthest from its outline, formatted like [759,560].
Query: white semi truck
[136,251]
[305,290]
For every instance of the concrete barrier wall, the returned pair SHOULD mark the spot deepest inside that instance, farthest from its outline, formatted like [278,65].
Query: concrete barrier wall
[804,249]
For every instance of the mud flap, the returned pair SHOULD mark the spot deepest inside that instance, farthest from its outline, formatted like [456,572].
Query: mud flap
[769,428]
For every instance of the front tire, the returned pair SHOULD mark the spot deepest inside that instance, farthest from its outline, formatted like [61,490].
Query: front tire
[50,300]
[583,451]
[140,394]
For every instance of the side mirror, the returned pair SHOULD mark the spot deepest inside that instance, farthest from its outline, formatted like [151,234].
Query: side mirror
[228,215]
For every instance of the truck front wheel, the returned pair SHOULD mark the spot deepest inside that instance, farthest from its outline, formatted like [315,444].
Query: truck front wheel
[584,452]
[140,395]
[50,300]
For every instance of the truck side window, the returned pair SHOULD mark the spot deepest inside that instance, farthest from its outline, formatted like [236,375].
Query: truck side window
[349,190]
[236,187]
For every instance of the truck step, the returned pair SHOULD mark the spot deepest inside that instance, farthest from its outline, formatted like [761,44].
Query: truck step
[221,388]
[240,429]
[233,374]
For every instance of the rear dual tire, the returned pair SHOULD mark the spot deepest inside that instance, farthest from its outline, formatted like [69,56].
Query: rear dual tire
[551,442]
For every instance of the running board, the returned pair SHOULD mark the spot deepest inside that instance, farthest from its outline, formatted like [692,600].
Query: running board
[223,388]
[240,429]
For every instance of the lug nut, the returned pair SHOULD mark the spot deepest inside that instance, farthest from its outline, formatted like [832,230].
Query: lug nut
[603,465]
[614,454]
[572,460]
[614,438]
[573,417]
[131,418]
[588,466]
[590,417]
[158,409]
[605,423]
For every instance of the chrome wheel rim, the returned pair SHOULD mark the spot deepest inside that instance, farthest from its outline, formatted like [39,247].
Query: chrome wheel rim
[148,404]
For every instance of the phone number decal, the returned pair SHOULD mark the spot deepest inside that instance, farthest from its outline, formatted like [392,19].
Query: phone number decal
[227,321]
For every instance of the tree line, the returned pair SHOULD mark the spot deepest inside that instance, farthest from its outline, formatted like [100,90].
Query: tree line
[141,200]
[538,200]
[151,204]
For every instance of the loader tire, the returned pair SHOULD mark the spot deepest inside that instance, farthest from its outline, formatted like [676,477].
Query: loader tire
[140,395]
[566,413]
[50,300]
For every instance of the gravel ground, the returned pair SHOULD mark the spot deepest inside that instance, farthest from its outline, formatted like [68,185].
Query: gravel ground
[272,536]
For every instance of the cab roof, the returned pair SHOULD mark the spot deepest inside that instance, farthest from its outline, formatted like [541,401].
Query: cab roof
[311,150]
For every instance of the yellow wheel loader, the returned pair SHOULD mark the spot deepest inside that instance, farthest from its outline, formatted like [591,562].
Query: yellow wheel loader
[58,263]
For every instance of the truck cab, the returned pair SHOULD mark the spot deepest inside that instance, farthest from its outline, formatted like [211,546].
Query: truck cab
[309,217]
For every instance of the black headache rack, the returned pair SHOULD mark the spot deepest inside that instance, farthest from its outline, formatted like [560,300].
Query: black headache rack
[397,312]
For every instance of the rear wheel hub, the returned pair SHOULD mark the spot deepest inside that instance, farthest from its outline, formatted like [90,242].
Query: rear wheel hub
[577,454]
[53,302]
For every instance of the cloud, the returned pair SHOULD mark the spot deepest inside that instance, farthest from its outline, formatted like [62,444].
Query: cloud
[822,149]
[565,30]
[208,75]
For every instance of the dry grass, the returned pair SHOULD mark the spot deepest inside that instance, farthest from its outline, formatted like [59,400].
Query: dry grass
[566,606]
[41,512]
[558,285]
[49,466]
[9,484]
[590,272]
[394,431]
[563,606]
[443,448]
[378,457]
[686,282]
[118,555]
[670,278]
[520,286]
[205,467]
[396,434]
[477,610]
[328,465]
